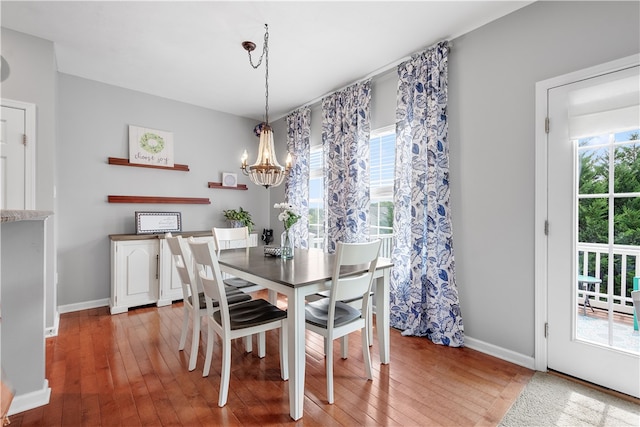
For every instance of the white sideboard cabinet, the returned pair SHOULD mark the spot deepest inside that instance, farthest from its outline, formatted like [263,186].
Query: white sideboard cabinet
[142,270]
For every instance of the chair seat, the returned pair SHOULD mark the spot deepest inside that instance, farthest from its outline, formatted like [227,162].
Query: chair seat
[251,313]
[238,283]
[234,296]
[317,313]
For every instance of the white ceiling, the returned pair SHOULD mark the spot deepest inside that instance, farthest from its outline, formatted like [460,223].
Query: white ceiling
[191,51]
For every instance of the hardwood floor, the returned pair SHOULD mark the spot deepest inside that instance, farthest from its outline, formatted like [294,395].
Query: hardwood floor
[126,370]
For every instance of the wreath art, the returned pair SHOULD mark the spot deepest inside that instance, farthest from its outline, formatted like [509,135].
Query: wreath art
[152,143]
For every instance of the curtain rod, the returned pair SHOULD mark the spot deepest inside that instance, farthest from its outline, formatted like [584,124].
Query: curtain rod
[380,71]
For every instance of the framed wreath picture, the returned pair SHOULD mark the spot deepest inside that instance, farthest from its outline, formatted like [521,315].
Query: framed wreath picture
[150,146]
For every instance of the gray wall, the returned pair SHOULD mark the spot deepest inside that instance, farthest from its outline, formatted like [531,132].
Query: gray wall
[32,79]
[94,119]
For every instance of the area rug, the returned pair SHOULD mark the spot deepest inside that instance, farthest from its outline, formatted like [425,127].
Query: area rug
[549,400]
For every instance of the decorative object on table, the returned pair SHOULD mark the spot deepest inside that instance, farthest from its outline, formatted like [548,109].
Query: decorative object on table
[158,222]
[288,217]
[272,250]
[150,146]
[229,179]
[266,171]
[239,218]
[267,235]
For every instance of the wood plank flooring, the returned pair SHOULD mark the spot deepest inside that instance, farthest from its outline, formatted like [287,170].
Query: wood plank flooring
[126,370]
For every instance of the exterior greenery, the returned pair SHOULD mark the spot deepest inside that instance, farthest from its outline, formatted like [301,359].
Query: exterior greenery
[593,212]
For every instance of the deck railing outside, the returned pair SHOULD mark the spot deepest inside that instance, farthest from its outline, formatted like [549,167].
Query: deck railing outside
[593,259]
[385,247]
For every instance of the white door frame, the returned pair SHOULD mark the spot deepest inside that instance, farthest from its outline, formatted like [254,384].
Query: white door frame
[30,149]
[541,185]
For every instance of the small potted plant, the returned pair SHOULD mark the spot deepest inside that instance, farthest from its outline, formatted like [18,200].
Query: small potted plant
[239,218]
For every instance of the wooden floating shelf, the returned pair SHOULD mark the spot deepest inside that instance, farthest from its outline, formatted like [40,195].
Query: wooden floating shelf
[154,199]
[125,162]
[219,185]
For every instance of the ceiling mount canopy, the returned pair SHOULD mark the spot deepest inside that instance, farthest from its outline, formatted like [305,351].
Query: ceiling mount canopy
[266,171]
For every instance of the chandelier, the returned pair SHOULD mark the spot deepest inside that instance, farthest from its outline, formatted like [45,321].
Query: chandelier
[266,171]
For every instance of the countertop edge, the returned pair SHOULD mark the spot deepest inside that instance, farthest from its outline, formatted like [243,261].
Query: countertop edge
[14,215]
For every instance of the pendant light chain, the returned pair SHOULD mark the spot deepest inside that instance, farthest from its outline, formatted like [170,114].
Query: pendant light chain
[265,54]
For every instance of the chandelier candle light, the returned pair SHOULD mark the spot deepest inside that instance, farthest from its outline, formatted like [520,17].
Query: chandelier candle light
[288,217]
[266,171]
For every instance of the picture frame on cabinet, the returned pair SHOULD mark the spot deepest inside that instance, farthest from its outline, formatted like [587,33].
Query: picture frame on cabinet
[158,222]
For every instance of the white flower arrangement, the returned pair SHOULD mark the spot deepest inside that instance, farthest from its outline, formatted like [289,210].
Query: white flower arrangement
[288,215]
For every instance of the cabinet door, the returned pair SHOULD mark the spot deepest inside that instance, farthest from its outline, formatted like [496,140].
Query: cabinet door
[137,267]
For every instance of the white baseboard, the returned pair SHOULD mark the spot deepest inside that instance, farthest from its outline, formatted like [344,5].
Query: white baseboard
[69,308]
[27,401]
[500,353]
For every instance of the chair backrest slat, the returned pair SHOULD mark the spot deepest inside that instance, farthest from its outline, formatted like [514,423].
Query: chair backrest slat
[224,236]
[204,256]
[181,256]
[361,256]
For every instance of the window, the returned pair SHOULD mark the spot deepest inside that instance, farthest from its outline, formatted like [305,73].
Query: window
[316,198]
[381,175]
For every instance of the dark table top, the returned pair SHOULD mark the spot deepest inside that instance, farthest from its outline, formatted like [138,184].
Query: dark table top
[307,265]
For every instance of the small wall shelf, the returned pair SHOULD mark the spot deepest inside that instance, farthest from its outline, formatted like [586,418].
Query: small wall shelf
[125,162]
[155,199]
[219,185]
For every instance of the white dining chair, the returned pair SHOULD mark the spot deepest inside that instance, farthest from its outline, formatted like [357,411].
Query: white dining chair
[225,238]
[331,318]
[194,307]
[233,321]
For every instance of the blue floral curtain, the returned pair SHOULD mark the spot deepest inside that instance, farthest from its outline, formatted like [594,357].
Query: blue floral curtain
[296,188]
[345,139]
[424,296]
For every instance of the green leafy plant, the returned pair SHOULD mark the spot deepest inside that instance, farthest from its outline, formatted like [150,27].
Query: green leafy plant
[241,216]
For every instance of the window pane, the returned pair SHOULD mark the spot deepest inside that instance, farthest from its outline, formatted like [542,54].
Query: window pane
[627,168]
[632,135]
[593,216]
[593,167]
[626,221]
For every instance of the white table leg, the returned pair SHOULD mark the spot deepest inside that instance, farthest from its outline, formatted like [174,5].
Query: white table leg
[382,315]
[272,296]
[295,314]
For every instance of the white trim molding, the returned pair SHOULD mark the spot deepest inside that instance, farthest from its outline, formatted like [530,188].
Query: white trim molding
[30,149]
[34,399]
[499,352]
[70,308]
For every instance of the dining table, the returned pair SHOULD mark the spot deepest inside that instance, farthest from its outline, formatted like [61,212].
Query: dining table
[307,273]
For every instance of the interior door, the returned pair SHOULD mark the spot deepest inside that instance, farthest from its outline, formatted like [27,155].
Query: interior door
[13,183]
[580,111]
